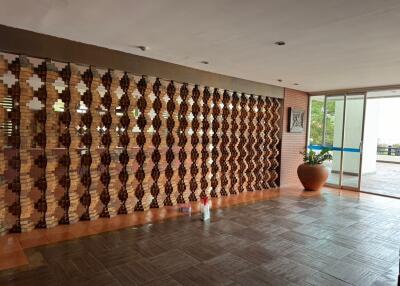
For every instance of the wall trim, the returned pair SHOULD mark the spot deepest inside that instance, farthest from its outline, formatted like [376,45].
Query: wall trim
[355,90]
[14,40]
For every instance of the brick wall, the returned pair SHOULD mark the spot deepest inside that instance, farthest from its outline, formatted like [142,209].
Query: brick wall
[292,143]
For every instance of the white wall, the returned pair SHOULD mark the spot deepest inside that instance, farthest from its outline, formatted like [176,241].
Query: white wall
[370,136]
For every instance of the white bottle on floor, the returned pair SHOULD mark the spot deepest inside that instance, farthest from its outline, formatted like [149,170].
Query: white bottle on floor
[205,209]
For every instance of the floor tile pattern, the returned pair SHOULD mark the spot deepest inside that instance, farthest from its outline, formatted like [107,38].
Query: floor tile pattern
[326,239]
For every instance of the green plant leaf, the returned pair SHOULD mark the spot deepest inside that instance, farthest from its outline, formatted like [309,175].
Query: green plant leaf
[313,158]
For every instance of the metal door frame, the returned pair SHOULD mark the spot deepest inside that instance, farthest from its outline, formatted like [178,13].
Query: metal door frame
[345,95]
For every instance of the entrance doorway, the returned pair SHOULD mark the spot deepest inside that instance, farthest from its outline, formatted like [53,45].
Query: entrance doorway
[362,134]
[381,153]
[336,123]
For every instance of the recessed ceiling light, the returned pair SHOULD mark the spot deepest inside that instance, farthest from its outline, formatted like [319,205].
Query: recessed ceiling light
[280,43]
[279,80]
[295,83]
[142,48]
[205,62]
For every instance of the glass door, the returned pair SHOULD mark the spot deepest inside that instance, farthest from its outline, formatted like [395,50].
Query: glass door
[352,141]
[336,123]
[333,136]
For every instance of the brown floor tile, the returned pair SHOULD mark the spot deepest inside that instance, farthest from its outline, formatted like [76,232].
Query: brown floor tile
[351,273]
[312,259]
[299,239]
[331,249]
[255,253]
[260,277]
[322,279]
[163,281]
[288,269]
[29,276]
[149,248]
[173,261]
[250,234]
[204,251]
[135,272]
[230,264]
[273,238]
[200,275]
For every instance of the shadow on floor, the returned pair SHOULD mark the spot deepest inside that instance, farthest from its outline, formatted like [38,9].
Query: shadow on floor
[326,239]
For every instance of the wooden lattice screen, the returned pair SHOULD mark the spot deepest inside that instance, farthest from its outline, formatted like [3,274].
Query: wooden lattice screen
[79,143]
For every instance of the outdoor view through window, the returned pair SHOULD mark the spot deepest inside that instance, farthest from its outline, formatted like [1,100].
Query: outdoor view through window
[337,124]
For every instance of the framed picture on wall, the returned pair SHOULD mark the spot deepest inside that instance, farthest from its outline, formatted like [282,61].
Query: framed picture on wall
[296,120]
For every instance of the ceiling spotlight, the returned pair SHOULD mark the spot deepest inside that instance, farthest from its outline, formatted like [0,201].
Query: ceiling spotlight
[142,48]
[280,43]
[279,80]
[205,62]
[295,83]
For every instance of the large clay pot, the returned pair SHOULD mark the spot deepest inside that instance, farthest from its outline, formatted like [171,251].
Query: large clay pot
[313,177]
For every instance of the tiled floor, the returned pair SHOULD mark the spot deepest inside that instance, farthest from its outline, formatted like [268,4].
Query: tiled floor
[12,246]
[386,180]
[294,238]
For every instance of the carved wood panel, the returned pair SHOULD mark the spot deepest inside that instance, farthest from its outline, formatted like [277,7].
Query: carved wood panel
[141,141]
[233,149]
[242,143]
[170,140]
[215,127]
[224,143]
[194,155]
[204,143]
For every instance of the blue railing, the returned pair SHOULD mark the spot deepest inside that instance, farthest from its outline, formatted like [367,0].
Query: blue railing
[333,148]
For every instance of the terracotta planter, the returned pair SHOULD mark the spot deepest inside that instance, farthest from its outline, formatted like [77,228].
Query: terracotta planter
[313,177]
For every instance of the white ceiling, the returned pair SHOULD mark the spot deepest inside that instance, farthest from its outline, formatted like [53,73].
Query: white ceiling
[331,44]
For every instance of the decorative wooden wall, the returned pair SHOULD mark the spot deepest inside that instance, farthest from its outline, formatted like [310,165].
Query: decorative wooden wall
[80,142]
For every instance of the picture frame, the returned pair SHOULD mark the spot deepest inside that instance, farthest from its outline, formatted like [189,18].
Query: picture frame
[296,120]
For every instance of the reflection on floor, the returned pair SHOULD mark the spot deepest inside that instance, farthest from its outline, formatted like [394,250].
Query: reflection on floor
[347,180]
[386,180]
[323,238]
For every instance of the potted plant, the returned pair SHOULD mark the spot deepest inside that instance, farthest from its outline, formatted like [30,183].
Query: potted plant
[312,173]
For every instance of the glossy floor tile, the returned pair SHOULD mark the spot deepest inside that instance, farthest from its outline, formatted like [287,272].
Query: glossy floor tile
[286,237]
